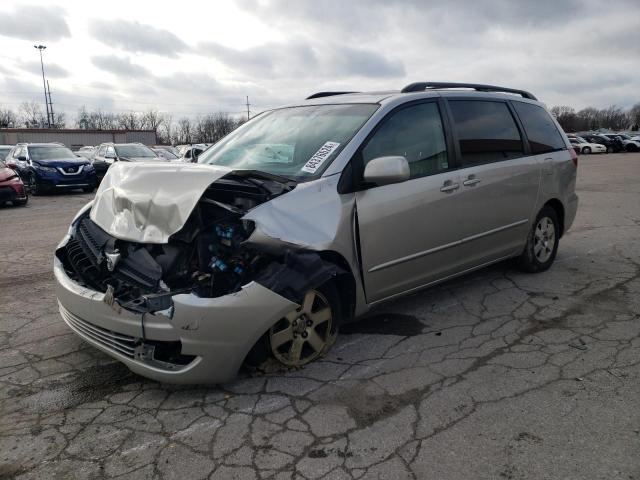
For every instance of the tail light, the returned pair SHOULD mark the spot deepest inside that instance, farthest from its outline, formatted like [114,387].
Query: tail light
[574,157]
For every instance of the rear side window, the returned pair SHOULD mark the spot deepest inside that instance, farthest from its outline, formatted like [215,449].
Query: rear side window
[539,127]
[414,132]
[486,131]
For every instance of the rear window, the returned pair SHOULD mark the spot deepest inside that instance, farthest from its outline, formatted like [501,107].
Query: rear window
[486,131]
[540,129]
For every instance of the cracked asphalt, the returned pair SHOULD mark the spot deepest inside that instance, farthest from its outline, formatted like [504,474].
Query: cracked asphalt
[496,375]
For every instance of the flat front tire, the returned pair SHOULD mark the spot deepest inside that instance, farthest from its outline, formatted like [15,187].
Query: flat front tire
[542,242]
[308,332]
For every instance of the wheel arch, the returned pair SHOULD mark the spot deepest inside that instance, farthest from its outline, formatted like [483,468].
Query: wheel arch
[558,207]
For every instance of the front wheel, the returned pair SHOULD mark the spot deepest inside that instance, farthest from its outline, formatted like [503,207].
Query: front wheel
[308,332]
[586,150]
[609,149]
[34,186]
[542,242]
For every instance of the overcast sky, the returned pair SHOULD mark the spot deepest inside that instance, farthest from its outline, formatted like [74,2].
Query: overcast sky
[190,57]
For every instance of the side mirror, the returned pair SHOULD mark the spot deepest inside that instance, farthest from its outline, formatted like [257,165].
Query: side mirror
[386,170]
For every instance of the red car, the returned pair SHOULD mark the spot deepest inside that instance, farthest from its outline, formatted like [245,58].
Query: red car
[11,187]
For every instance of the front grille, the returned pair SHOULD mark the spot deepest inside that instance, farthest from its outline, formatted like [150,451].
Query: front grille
[117,342]
[136,273]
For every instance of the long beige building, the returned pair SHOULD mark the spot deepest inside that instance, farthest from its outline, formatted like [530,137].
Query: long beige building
[75,138]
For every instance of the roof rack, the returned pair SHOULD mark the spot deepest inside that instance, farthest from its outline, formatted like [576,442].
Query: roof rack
[420,86]
[326,94]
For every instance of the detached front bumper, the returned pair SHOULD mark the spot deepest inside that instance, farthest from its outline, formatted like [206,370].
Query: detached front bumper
[214,334]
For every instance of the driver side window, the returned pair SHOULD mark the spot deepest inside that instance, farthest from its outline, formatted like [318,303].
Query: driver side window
[416,133]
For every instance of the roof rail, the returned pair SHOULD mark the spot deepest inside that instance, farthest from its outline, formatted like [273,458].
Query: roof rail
[326,94]
[420,86]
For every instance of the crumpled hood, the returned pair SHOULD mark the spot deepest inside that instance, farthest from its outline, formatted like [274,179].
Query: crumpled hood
[148,202]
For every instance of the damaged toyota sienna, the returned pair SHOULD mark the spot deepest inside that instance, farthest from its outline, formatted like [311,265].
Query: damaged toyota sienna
[305,218]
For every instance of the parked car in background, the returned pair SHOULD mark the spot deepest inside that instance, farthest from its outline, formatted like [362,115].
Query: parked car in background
[5,150]
[169,148]
[87,152]
[11,187]
[190,153]
[51,166]
[109,153]
[611,145]
[629,144]
[166,154]
[183,273]
[587,147]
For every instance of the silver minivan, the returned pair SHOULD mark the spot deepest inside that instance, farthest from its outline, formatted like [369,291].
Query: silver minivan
[305,218]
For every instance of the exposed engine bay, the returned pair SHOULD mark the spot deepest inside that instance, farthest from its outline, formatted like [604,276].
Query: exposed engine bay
[207,257]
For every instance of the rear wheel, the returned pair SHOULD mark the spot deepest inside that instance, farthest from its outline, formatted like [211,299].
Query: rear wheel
[542,242]
[609,149]
[586,150]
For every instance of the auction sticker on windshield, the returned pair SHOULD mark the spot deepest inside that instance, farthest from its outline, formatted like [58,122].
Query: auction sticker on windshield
[319,157]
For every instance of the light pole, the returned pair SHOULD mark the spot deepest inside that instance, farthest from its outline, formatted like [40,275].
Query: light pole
[44,85]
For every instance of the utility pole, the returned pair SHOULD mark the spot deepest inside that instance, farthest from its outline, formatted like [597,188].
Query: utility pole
[44,85]
[248,111]
[53,118]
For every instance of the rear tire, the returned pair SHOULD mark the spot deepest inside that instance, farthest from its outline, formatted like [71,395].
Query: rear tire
[586,150]
[542,242]
[609,149]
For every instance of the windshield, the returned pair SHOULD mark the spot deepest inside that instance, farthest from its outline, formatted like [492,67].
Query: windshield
[581,140]
[298,142]
[624,136]
[166,154]
[134,151]
[50,153]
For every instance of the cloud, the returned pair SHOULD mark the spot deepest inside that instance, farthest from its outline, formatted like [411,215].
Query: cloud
[136,37]
[298,58]
[35,23]
[51,70]
[120,66]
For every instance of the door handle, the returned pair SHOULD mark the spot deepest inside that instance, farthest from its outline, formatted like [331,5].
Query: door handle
[548,166]
[471,181]
[449,186]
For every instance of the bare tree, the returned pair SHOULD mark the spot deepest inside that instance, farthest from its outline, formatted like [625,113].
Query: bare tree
[634,117]
[129,121]
[8,118]
[165,132]
[32,115]
[184,131]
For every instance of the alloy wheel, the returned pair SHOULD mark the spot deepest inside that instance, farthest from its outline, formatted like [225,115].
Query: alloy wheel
[305,333]
[544,238]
